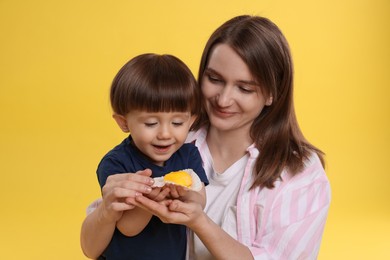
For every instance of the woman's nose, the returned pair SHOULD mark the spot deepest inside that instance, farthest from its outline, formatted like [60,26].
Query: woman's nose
[224,97]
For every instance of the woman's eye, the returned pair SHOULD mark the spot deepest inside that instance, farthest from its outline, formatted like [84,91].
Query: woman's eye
[245,89]
[213,79]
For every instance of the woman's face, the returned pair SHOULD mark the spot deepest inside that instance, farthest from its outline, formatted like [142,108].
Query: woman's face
[233,98]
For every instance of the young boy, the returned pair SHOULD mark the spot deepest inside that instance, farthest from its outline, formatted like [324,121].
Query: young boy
[155,98]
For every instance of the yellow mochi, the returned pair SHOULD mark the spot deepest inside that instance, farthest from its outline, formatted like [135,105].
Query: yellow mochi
[182,178]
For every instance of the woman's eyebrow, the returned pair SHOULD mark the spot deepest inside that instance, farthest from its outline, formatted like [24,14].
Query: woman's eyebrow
[210,70]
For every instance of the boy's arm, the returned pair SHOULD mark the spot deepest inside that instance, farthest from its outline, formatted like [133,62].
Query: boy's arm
[133,221]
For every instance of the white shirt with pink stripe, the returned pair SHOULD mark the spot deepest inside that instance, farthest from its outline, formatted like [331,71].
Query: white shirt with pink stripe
[285,222]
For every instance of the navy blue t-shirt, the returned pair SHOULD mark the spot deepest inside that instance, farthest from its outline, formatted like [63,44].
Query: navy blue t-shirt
[158,240]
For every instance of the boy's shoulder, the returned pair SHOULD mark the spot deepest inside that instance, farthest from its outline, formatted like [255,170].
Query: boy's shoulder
[188,148]
[189,145]
[118,150]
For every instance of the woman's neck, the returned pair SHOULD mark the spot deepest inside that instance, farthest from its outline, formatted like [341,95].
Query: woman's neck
[226,147]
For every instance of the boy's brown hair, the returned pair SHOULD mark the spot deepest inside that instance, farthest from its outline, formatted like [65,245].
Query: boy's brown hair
[155,83]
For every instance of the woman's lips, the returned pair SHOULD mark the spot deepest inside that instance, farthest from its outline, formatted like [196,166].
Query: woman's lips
[223,113]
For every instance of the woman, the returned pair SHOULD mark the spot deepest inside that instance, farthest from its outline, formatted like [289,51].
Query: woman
[268,196]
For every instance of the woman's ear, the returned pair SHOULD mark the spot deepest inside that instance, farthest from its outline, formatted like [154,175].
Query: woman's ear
[268,102]
[122,122]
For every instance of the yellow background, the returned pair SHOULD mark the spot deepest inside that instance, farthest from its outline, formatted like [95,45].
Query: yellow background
[58,58]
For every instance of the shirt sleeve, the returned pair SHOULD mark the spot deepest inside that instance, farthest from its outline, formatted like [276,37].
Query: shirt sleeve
[94,204]
[294,225]
[109,165]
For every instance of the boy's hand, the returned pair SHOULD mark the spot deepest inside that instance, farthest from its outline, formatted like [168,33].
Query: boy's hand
[168,191]
[177,191]
[158,193]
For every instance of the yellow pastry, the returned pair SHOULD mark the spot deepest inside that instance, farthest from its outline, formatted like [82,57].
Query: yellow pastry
[182,178]
[186,178]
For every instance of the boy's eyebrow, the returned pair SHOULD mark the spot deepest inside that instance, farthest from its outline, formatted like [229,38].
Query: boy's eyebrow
[246,82]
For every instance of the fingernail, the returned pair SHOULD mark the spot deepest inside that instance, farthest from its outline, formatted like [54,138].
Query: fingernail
[148,189]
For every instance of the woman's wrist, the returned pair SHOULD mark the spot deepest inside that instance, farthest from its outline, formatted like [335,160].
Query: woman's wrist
[202,221]
[105,217]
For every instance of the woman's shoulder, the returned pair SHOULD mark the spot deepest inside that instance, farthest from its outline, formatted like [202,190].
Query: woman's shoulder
[309,185]
[313,167]
[313,172]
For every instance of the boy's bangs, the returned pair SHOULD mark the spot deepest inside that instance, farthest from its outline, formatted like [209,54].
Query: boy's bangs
[163,99]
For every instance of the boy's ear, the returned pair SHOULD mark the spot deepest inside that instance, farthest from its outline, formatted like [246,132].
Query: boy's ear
[122,122]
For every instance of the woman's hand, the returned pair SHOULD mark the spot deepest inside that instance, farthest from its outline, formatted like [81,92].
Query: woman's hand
[190,213]
[173,211]
[119,194]
[121,189]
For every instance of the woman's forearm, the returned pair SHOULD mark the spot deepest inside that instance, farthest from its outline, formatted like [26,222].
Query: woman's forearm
[220,244]
[197,197]
[96,234]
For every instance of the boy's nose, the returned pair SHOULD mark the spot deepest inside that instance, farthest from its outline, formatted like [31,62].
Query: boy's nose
[164,133]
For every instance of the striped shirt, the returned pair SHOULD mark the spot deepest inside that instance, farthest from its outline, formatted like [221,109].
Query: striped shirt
[285,222]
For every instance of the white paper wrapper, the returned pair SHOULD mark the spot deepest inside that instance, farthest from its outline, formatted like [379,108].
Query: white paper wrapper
[196,183]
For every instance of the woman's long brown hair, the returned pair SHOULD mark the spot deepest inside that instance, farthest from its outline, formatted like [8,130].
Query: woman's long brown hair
[275,132]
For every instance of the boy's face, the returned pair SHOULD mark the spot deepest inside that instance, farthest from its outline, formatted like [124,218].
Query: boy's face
[157,135]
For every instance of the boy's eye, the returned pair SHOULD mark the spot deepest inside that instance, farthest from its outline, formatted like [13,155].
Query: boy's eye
[150,124]
[177,123]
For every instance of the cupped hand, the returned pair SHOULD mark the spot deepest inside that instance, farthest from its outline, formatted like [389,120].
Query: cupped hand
[158,193]
[173,211]
[176,191]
